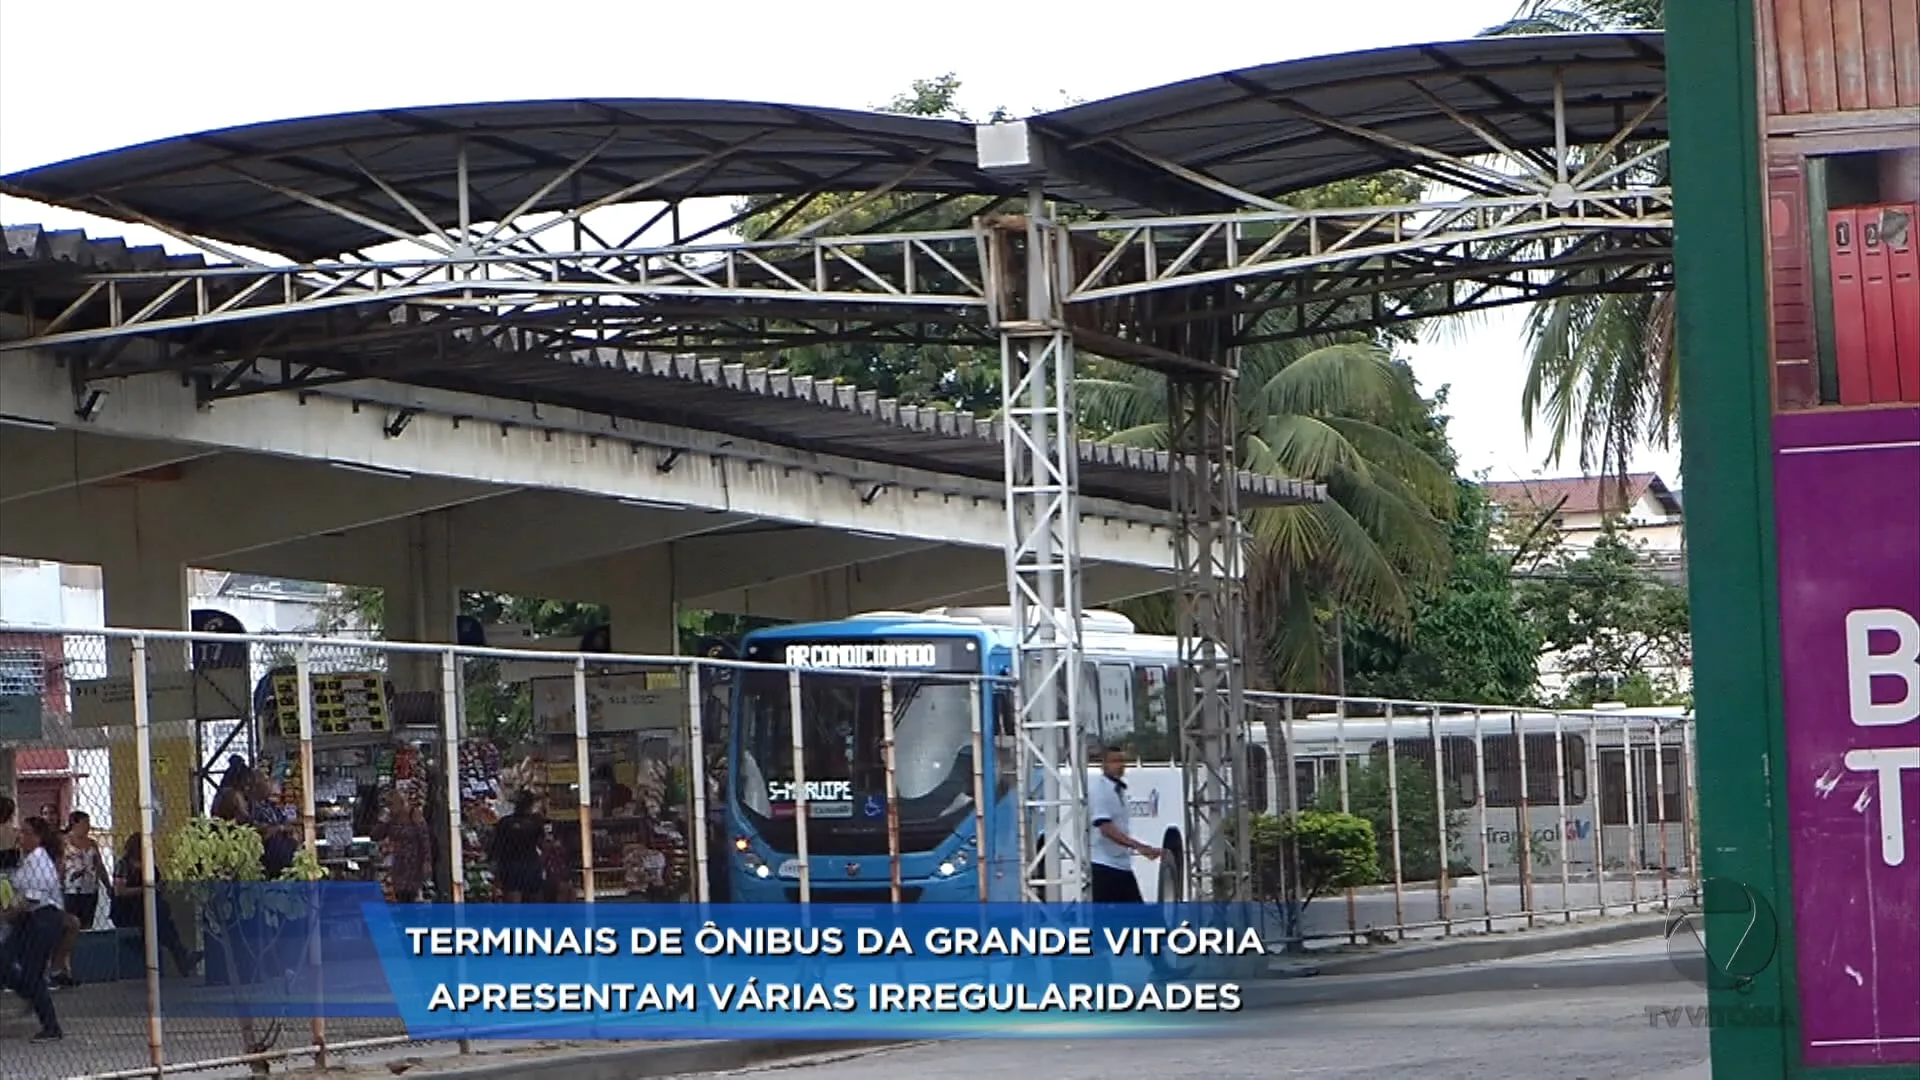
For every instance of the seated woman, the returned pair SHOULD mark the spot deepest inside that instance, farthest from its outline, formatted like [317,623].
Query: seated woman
[128,910]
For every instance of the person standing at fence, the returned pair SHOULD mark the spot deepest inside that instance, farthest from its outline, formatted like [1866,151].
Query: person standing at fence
[515,853]
[127,910]
[81,872]
[1113,846]
[40,922]
[409,848]
[9,855]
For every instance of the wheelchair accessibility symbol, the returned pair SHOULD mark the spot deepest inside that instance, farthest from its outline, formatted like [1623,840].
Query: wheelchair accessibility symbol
[876,806]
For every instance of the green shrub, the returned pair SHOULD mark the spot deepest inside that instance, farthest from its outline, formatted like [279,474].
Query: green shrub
[1371,796]
[1332,851]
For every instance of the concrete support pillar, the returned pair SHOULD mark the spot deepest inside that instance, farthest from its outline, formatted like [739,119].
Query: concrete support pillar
[146,587]
[641,604]
[422,597]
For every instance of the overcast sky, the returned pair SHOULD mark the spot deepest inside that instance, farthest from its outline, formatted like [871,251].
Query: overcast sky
[80,78]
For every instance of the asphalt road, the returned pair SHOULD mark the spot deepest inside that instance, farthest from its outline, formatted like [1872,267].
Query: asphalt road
[1595,1035]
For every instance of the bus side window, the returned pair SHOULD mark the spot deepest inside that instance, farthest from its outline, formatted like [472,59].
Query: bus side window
[1150,740]
[1116,704]
[1306,782]
[1006,742]
[1576,756]
[1257,784]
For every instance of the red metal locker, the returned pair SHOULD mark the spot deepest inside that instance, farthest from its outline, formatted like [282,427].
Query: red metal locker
[1898,223]
[1876,302]
[1849,310]
[1795,348]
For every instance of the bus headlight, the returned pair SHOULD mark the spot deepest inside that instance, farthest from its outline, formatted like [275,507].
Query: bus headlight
[753,862]
[954,863]
[947,869]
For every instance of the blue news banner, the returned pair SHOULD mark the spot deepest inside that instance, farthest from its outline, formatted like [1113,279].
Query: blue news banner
[741,971]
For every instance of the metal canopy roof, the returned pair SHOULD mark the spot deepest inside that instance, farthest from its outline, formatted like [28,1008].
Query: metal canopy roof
[244,185]
[1267,130]
[735,399]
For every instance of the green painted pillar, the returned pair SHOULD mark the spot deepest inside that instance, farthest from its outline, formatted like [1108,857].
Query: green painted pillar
[1853,545]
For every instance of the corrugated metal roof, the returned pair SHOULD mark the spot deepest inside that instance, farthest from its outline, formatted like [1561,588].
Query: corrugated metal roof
[1244,127]
[200,183]
[1256,129]
[761,403]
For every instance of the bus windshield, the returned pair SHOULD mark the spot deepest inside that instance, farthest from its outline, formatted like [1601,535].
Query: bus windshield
[845,756]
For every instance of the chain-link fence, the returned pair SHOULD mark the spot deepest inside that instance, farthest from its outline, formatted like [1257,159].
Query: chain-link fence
[1477,817]
[468,775]
[437,773]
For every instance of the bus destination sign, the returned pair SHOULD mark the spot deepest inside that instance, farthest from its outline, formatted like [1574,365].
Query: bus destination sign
[952,654]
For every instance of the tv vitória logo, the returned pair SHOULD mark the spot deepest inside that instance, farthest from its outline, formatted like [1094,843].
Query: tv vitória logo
[1746,935]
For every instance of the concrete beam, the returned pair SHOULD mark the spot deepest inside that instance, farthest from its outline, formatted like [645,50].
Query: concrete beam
[564,450]
[709,565]
[752,559]
[221,506]
[494,543]
[911,582]
[48,462]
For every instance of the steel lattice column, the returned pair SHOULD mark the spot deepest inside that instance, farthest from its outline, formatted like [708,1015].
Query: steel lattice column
[1043,553]
[1211,613]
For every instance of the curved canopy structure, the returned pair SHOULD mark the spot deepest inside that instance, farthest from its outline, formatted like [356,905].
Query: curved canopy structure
[319,187]
[282,186]
[1284,127]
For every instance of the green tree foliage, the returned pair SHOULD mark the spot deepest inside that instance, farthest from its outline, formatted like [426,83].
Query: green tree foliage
[960,377]
[1340,411]
[1371,795]
[1332,851]
[1470,641]
[1603,375]
[1613,625]
[216,869]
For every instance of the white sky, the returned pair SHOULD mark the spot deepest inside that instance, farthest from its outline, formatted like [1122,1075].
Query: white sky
[81,78]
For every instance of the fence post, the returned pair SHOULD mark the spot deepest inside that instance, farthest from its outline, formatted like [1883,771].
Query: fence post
[149,897]
[1346,807]
[450,758]
[1630,761]
[1560,794]
[1295,920]
[1443,887]
[799,740]
[1523,821]
[1393,816]
[309,832]
[1480,788]
[1596,764]
[1690,777]
[582,763]
[1660,809]
[697,781]
[977,690]
[892,786]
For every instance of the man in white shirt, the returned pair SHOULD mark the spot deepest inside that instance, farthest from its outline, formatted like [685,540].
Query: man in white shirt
[40,921]
[1112,847]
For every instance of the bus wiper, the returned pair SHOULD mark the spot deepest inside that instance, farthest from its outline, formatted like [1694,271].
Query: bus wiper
[903,699]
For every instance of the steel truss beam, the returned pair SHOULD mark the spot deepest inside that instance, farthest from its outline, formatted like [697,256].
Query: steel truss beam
[1210,610]
[898,278]
[1043,550]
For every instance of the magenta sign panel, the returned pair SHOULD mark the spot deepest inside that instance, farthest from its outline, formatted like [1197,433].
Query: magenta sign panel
[1848,498]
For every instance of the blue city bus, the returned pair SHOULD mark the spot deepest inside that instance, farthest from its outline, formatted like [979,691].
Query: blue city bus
[847,829]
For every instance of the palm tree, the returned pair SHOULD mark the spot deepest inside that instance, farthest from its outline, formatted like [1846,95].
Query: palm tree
[1339,411]
[1602,371]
